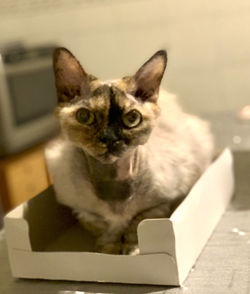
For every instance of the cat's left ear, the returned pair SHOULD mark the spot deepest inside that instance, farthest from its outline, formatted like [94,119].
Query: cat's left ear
[71,79]
[148,77]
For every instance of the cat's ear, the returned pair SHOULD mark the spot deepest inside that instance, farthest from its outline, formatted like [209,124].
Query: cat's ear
[148,77]
[70,78]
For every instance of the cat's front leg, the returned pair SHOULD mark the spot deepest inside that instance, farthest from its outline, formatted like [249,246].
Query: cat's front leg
[130,240]
[109,242]
[107,239]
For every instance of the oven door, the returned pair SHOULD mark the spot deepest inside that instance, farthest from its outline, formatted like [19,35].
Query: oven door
[27,100]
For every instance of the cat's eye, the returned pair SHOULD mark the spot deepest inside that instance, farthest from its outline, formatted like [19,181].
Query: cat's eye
[132,119]
[84,116]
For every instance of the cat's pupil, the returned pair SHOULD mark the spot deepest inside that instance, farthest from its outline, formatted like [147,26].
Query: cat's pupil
[84,116]
[132,116]
[132,119]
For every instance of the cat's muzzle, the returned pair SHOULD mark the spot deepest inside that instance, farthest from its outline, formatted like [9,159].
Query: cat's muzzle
[116,147]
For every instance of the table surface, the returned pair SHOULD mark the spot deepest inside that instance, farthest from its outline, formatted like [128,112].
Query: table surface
[223,266]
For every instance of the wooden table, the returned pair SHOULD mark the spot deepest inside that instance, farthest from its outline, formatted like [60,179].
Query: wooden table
[223,266]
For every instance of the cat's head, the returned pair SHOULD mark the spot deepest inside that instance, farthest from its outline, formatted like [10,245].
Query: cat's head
[111,118]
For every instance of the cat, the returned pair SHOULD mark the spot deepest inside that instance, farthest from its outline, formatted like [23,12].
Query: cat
[127,151]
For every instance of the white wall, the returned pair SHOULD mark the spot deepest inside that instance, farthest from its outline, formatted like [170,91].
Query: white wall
[208,42]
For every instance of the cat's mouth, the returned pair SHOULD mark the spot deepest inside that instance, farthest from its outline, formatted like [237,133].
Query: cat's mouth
[108,153]
[114,151]
[107,158]
[110,156]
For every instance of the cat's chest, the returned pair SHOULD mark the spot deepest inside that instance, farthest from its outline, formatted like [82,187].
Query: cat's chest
[111,190]
[117,197]
[105,193]
[112,201]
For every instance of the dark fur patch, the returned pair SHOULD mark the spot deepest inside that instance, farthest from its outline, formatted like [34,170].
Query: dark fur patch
[115,112]
[112,134]
[102,176]
[111,190]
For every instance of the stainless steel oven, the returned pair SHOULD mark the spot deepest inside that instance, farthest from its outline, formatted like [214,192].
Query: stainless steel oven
[27,97]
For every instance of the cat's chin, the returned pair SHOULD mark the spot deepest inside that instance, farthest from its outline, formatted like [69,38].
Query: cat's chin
[104,158]
[107,158]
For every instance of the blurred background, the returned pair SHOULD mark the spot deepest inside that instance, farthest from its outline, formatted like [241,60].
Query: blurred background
[208,44]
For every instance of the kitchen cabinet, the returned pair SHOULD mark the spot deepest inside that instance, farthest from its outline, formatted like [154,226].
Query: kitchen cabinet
[22,176]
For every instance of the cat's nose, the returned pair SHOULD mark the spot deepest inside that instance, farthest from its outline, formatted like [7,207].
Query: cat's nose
[114,143]
[109,137]
[116,147]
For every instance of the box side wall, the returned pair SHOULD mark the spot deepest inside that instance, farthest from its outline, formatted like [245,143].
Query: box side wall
[156,236]
[148,269]
[201,211]
[16,231]
[46,219]
[155,269]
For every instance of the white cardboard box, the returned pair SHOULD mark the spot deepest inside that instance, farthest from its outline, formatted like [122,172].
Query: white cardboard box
[45,242]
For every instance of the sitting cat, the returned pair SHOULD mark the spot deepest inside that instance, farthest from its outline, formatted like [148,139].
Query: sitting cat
[119,161]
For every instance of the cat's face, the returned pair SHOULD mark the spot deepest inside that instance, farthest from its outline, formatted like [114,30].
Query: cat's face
[107,119]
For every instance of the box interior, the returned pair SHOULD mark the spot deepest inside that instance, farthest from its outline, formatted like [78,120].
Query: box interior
[53,227]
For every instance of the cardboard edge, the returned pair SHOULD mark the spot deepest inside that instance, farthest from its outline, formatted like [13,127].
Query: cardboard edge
[226,160]
[17,237]
[180,226]
[17,233]
[158,269]
[194,231]
[156,236]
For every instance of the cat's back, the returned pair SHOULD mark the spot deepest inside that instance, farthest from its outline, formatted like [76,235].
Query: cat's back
[181,146]
[180,128]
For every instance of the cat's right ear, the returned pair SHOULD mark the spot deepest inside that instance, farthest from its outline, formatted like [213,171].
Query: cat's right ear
[149,76]
[70,78]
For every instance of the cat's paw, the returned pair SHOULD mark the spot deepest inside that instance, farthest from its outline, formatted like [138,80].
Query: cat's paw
[109,248]
[130,249]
